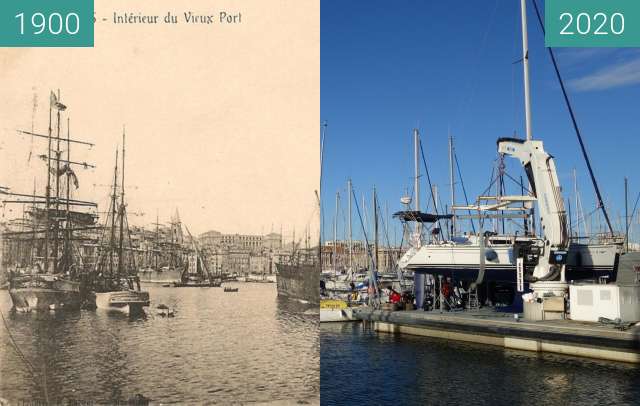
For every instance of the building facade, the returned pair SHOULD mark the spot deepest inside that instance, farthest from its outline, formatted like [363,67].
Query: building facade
[241,254]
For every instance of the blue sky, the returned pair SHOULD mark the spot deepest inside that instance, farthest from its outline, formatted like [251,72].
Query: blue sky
[440,66]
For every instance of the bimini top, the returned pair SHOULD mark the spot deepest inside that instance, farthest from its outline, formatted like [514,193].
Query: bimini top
[412,215]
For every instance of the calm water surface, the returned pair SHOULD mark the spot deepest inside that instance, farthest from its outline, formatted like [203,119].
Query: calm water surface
[219,348]
[360,366]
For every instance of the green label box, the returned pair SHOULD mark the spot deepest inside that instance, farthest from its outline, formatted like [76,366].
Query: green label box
[592,23]
[46,23]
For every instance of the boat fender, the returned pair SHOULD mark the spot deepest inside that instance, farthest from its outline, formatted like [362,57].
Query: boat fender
[491,255]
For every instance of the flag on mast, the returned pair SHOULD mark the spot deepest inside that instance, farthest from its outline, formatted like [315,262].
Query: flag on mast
[56,104]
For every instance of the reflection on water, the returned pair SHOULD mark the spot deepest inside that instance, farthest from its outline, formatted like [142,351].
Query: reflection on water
[220,347]
[359,365]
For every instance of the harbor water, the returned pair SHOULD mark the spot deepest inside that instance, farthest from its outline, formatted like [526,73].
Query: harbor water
[361,366]
[220,347]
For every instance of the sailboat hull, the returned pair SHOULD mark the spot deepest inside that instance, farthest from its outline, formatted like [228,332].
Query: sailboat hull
[125,301]
[167,276]
[299,282]
[588,261]
[214,284]
[46,295]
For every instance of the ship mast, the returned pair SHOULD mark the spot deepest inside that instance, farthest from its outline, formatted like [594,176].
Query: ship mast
[527,91]
[48,191]
[375,228]
[525,66]
[452,185]
[56,222]
[335,235]
[350,187]
[121,211]
[626,215]
[155,253]
[51,252]
[171,252]
[113,217]
[34,226]
[67,245]
[416,185]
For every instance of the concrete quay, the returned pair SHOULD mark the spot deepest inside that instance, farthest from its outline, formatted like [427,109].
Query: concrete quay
[583,339]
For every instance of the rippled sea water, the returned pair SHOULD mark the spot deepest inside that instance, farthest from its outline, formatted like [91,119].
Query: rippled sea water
[360,366]
[220,347]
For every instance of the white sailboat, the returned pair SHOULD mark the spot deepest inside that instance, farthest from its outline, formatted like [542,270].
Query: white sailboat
[549,260]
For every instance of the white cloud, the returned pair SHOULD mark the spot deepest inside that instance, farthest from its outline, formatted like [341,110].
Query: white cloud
[622,74]
[578,57]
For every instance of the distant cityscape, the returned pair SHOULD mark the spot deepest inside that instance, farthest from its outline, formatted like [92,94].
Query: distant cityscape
[165,246]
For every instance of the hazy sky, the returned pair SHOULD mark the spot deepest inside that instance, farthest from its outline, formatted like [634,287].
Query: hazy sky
[222,122]
[451,66]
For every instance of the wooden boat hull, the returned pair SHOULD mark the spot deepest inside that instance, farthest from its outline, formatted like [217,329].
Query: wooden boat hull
[28,299]
[260,279]
[299,282]
[197,284]
[126,301]
[168,276]
[45,293]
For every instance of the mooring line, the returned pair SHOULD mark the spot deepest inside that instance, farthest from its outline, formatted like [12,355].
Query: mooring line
[24,359]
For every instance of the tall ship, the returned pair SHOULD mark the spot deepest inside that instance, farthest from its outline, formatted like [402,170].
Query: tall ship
[298,276]
[114,281]
[42,256]
[298,273]
[163,257]
[196,272]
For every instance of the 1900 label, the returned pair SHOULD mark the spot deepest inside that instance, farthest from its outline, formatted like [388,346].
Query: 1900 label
[46,23]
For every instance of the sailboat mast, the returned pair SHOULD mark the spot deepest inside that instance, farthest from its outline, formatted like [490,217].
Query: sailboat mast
[436,199]
[365,228]
[525,65]
[173,232]
[349,186]
[56,223]
[113,216]
[626,214]
[121,211]
[34,226]
[335,234]
[67,246]
[48,191]
[319,234]
[452,185]
[527,90]
[375,227]
[416,181]
[575,193]
[155,253]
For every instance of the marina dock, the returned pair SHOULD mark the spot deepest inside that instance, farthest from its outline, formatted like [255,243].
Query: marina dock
[592,340]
